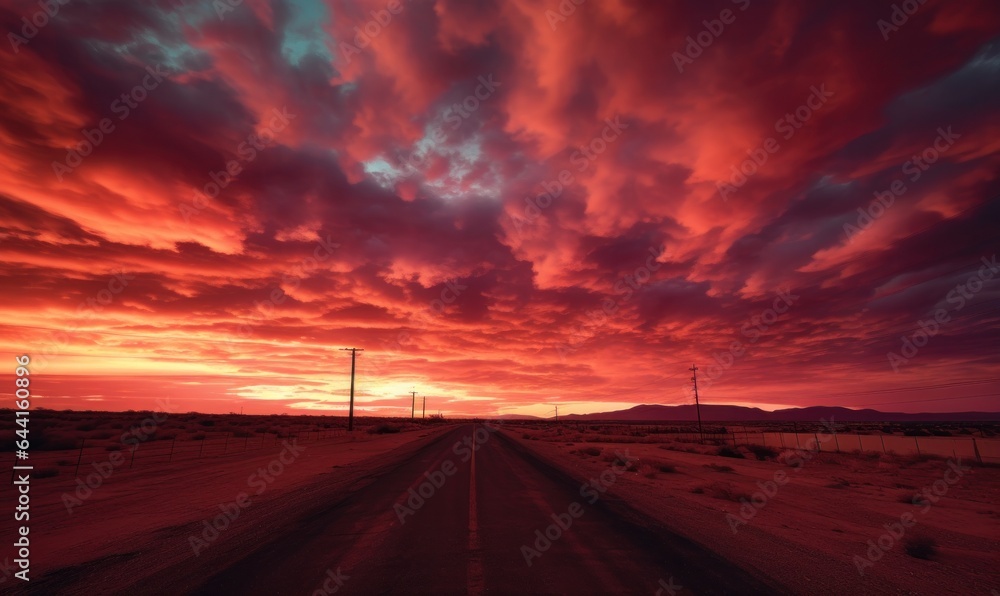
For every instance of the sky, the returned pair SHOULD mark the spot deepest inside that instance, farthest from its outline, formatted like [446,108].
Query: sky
[508,205]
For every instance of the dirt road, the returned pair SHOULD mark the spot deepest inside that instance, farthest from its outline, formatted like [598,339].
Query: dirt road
[468,512]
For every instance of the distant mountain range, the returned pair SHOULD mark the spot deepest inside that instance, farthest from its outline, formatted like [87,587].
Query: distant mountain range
[711,413]
[516,417]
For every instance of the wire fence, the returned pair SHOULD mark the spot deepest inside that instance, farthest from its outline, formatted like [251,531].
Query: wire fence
[979,449]
[129,456]
[982,450]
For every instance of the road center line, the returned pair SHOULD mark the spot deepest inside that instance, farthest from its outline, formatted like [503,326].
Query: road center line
[475,583]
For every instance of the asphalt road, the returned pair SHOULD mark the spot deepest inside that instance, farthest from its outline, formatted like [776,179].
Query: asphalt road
[470,533]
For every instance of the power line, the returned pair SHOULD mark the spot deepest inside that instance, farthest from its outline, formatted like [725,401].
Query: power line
[915,401]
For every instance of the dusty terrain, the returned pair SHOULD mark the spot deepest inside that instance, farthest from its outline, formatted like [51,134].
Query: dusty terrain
[142,518]
[806,535]
[529,512]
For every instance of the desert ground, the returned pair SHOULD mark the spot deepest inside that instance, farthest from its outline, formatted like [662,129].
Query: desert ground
[511,507]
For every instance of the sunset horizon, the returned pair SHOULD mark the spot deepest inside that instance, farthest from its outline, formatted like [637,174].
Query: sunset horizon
[207,205]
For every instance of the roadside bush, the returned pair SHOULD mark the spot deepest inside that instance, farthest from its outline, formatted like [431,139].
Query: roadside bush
[44,439]
[762,452]
[722,490]
[839,483]
[728,451]
[921,547]
[914,499]
[383,429]
[45,472]
[647,471]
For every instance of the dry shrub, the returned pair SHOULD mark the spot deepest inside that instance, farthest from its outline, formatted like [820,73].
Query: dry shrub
[763,452]
[45,472]
[722,490]
[383,429]
[913,499]
[839,483]
[718,468]
[921,547]
[616,460]
[647,471]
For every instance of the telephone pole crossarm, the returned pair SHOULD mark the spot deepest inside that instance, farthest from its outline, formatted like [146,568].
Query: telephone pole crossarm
[697,404]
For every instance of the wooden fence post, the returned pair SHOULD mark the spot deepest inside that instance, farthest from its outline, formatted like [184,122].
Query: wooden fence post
[80,457]
[225,446]
[170,457]
[975,448]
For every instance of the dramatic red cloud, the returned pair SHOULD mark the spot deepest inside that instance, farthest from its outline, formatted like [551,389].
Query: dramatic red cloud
[508,204]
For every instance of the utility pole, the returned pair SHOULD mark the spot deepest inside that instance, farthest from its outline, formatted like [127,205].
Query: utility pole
[697,405]
[423,412]
[413,404]
[557,413]
[350,415]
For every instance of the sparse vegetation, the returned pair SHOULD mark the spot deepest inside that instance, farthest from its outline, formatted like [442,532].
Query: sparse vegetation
[839,483]
[727,451]
[921,547]
[383,429]
[762,452]
[722,490]
[913,499]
